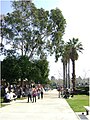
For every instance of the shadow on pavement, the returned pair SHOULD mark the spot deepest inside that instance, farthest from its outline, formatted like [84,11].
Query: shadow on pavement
[83,117]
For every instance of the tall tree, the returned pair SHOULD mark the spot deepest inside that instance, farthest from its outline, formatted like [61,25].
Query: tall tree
[64,72]
[32,31]
[66,64]
[67,57]
[75,47]
[56,28]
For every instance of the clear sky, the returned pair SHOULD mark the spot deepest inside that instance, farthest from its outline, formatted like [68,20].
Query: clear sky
[76,13]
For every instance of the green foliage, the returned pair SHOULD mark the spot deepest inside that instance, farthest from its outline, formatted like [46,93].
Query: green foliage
[41,71]
[56,27]
[10,69]
[70,51]
[24,66]
[82,90]
[34,33]
[78,102]
[14,69]
[31,31]
[74,47]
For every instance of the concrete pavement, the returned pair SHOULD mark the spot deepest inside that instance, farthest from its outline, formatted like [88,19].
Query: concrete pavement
[49,108]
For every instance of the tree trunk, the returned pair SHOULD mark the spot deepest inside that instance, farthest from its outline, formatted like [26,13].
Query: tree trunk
[73,75]
[21,82]
[63,75]
[22,49]
[69,73]
[66,74]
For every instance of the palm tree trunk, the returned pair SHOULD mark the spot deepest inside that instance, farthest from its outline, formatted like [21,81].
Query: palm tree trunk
[66,74]
[63,75]
[69,73]
[73,74]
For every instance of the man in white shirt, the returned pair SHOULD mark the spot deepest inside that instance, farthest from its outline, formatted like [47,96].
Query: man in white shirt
[7,97]
[12,96]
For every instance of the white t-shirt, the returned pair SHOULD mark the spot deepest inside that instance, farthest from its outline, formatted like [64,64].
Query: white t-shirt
[8,96]
[6,90]
[12,95]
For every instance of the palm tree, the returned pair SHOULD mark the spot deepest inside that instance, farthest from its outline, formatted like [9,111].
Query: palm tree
[64,71]
[66,66]
[74,46]
[67,51]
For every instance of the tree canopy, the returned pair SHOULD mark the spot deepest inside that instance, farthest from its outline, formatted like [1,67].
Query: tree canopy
[31,31]
[21,68]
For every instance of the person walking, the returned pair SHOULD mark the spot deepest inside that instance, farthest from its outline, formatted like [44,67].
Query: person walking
[62,92]
[30,94]
[59,91]
[34,94]
[42,93]
[38,93]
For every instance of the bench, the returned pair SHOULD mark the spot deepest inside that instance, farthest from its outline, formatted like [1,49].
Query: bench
[87,108]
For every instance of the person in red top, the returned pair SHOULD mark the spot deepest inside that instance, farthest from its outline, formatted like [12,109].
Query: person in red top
[34,94]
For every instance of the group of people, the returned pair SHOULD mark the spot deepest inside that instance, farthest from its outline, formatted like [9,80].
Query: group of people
[64,92]
[32,91]
[9,96]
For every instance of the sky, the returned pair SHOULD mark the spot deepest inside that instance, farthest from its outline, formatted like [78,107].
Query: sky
[76,13]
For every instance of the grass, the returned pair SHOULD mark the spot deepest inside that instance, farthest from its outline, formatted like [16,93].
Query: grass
[78,102]
[1,100]
[1,104]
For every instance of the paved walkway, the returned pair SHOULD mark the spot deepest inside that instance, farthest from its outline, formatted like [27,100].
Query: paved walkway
[49,108]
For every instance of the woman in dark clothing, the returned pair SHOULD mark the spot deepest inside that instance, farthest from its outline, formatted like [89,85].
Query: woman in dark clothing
[30,94]
[41,93]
